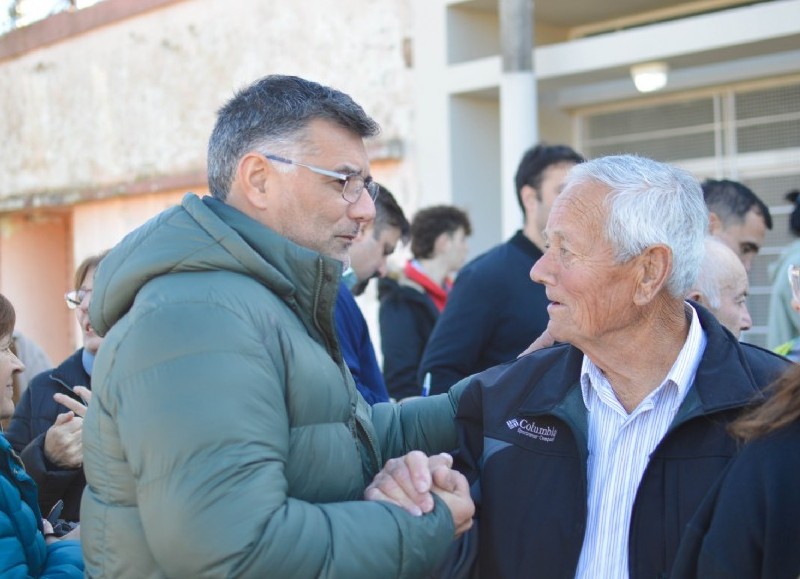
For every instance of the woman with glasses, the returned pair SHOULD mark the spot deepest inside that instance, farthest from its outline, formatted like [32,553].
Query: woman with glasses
[47,426]
[24,549]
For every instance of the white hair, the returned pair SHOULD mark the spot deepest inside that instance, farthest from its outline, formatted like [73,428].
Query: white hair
[650,203]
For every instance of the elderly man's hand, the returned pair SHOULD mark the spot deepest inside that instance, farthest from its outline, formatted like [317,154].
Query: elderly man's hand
[545,340]
[63,443]
[407,482]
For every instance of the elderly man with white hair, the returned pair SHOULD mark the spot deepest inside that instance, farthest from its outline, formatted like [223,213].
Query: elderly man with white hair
[589,458]
[722,287]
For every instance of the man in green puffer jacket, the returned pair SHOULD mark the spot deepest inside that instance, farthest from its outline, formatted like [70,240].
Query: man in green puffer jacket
[226,437]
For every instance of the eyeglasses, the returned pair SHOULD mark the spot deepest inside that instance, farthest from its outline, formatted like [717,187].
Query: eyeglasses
[76,297]
[794,280]
[352,185]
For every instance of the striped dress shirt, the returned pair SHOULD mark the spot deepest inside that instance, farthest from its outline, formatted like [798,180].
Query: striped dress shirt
[620,445]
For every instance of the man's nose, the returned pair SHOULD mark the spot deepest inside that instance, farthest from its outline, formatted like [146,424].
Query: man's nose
[539,272]
[747,321]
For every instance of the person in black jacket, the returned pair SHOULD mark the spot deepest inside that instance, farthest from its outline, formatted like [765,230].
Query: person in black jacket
[749,526]
[411,301]
[47,426]
[494,312]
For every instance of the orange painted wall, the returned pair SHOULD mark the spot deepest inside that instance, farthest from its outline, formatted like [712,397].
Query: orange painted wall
[34,266]
[40,251]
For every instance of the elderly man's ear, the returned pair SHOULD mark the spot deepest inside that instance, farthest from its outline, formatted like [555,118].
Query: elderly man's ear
[654,266]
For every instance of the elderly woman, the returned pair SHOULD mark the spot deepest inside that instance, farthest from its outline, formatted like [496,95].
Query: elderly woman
[25,552]
[47,427]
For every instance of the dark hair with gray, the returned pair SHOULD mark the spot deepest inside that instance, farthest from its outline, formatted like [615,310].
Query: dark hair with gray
[650,203]
[273,113]
[731,201]
[430,223]
[535,162]
[388,213]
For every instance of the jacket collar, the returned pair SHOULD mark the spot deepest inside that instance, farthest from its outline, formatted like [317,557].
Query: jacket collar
[71,373]
[723,379]
[310,281]
[521,242]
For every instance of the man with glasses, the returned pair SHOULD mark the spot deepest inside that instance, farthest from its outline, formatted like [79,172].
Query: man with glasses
[226,436]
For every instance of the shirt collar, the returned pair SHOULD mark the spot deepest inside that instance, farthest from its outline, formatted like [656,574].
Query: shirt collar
[683,369]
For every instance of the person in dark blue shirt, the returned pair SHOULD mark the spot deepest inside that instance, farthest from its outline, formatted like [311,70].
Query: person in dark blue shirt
[375,242]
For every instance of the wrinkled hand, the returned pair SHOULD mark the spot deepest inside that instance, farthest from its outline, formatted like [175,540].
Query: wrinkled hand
[407,482]
[411,480]
[545,340]
[63,443]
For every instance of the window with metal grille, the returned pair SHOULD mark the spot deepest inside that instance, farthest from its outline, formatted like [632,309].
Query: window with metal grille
[746,133]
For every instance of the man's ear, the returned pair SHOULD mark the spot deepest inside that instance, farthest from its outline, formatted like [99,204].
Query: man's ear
[714,223]
[529,199]
[253,175]
[655,265]
[442,243]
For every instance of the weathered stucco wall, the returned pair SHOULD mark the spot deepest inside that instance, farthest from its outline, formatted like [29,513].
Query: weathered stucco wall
[105,128]
[136,99]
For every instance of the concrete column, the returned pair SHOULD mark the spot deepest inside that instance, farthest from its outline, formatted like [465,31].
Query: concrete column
[519,128]
[430,146]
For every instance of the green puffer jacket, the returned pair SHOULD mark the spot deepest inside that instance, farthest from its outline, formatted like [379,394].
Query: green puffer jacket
[226,437]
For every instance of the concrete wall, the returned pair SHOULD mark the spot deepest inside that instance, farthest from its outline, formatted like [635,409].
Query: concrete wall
[137,98]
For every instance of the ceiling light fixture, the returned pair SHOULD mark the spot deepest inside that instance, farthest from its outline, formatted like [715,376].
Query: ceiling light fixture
[650,76]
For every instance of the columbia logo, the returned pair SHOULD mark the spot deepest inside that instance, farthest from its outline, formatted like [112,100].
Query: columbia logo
[530,429]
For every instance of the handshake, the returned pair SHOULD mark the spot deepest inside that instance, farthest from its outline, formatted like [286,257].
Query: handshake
[411,481]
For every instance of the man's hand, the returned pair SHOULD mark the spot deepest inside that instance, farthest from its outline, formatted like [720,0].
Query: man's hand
[410,481]
[545,340]
[407,481]
[76,407]
[63,443]
[451,486]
